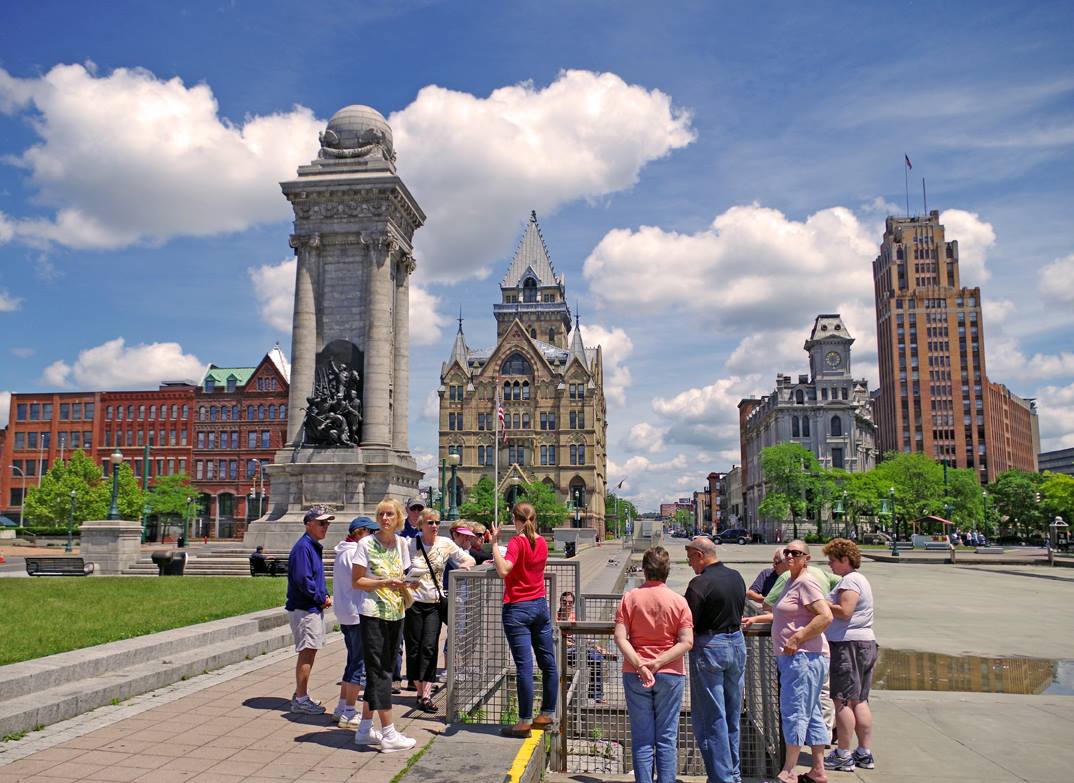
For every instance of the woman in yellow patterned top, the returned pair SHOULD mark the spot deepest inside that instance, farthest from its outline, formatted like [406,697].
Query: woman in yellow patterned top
[379,569]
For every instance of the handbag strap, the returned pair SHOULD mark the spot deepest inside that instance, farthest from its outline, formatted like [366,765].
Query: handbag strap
[432,573]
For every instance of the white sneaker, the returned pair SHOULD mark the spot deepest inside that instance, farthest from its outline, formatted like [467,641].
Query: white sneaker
[397,743]
[307,706]
[371,737]
[348,720]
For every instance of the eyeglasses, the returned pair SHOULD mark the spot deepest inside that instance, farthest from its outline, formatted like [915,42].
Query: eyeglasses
[794,553]
[323,524]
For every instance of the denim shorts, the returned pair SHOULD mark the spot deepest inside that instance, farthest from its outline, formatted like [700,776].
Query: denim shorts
[354,671]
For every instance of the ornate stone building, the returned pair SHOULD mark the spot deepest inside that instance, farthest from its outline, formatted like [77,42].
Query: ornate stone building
[552,386]
[828,412]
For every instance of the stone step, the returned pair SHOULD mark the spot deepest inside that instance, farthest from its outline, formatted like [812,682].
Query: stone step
[44,706]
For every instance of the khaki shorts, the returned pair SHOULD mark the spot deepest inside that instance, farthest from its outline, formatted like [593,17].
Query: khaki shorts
[307,628]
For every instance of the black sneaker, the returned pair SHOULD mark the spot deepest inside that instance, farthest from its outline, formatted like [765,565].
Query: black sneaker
[864,759]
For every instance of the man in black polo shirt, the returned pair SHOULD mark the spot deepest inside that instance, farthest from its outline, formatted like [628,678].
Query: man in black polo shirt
[717,598]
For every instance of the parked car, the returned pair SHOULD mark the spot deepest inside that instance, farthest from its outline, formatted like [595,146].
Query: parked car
[735,535]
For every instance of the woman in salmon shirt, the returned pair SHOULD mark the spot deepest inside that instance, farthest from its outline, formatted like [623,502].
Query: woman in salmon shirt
[527,622]
[654,629]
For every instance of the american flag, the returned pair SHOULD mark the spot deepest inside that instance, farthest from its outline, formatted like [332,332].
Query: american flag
[909,165]
[500,416]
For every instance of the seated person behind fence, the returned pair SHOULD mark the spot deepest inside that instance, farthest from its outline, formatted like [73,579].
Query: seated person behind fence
[527,622]
[798,622]
[594,653]
[654,630]
[469,536]
[762,585]
[854,654]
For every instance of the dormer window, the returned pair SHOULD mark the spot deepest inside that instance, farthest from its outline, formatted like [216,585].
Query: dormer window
[529,290]
[231,383]
[210,385]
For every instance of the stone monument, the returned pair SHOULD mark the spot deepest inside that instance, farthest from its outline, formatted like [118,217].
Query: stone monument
[347,414]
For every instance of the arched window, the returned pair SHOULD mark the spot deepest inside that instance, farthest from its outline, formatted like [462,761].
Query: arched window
[515,422]
[249,412]
[529,290]
[234,413]
[525,390]
[577,488]
[796,430]
[283,411]
[201,413]
[272,412]
[525,421]
[214,413]
[805,426]
[261,412]
[837,426]
[799,397]
[516,391]
[516,364]
[507,390]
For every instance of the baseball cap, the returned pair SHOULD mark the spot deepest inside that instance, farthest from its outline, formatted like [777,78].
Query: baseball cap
[317,514]
[360,523]
[413,503]
[464,531]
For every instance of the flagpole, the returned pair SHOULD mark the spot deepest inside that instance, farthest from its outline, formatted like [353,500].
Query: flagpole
[906,177]
[924,197]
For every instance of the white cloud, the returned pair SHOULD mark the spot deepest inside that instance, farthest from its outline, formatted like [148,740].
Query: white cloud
[274,290]
[479,165]
[616,346]
[5,407]
[1007,362]
[7,229]
[9,303]
[114,365]
[645,437]
[975,238]
[431,410]
[1056,280]
[707,416]
[129,157]
[23,352]
[1055,405]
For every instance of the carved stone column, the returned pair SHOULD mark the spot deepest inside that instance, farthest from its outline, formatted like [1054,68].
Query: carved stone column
[401,394]
[377,423]
[303,330]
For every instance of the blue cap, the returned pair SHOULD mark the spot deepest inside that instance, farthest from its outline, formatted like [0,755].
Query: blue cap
[362,523]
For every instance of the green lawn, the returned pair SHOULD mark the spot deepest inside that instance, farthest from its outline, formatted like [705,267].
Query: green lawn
[47,615]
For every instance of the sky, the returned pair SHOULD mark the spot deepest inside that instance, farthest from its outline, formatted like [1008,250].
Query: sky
[708,177]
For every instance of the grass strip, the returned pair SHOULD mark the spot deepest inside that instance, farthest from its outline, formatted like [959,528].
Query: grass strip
[48,615]
[410,762]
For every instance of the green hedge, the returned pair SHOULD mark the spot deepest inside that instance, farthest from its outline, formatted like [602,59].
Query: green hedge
[24,532]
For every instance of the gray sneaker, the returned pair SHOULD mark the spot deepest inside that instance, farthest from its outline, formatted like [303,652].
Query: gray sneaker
[306,706]
[864,759]
[839,762]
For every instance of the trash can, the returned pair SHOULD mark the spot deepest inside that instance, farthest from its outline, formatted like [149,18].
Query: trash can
[169,563]
[569,548]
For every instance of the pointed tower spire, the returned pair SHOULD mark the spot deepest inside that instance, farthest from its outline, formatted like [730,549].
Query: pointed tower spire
[577,350]
[458,348]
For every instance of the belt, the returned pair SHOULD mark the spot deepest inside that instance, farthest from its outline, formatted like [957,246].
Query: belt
[725,631]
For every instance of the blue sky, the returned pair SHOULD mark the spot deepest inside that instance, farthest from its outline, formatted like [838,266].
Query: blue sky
[708,177]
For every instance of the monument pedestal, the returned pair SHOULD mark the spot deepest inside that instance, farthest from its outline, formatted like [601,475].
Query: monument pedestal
[349,482]
[114,545]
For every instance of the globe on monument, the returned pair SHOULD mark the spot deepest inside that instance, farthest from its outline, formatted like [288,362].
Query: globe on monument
[356,127]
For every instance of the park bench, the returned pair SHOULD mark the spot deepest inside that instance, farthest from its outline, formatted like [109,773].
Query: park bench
[904,545]
[267,566]
[58,566]
[943,546]
[989,550]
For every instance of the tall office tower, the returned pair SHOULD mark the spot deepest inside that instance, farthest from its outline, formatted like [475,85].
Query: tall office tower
[930,341]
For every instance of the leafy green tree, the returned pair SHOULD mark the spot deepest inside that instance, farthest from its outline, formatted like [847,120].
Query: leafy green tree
[551,512]
[918,483]
[479,505]
[684,519]
[168,496]
[966,501]
[50,502]
[1014,495]
[1057,497]
[793,475]
[614,504]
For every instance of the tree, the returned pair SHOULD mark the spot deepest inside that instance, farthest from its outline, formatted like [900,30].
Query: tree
[479,505]
[684,519]
[1014,496]
[966,501]
[550,511]
[168,497]
[791,473]
[50,502]
[918,483]
[1057,496]
[613,504]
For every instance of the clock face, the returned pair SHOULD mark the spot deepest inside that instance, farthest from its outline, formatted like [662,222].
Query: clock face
[833,359]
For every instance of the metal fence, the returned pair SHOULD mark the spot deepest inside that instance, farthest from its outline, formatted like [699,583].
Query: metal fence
[594,729]
[598,606]
[481,675]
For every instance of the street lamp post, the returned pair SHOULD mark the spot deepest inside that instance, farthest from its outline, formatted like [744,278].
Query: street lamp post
[443,476]
[453,510]
[70,524]
[117,459]
[894,525]
[186,521]
[984,513]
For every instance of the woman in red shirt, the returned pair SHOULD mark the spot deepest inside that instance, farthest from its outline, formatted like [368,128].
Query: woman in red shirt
[527,622]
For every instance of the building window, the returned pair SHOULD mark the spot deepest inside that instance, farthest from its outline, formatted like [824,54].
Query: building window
[152,412]
[525,421]
[516,364]
[799,397]
[796,429]
[265,439]
[272,412]
[837,426]
[260,412]
[525,390]
[516,422]
[805,426]
[231,385]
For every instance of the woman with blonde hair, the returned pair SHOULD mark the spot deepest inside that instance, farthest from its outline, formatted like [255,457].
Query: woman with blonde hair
[379,569]
[430,554]
[527,622]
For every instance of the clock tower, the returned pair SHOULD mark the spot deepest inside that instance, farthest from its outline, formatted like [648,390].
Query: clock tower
[829,348]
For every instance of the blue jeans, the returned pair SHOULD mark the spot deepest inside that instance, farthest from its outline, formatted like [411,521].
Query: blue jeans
[654,725]
[717,677]
[354,670]
[528,627]
[801,677]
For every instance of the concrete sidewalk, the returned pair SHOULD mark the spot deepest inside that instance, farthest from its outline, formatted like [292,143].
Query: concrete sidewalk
[223,727]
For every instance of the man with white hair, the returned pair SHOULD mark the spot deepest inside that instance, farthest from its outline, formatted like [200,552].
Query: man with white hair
[767,577]
[717,598]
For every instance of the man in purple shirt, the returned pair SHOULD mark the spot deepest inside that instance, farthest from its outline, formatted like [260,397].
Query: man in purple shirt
[307,598]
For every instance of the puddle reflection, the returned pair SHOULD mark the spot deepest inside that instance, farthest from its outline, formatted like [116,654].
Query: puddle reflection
[910,670]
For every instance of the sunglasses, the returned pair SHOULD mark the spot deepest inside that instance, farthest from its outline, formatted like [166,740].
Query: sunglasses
[793,553]
[322,524]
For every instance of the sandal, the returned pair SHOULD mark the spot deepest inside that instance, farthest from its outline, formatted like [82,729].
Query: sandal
[804,778]
[426,705]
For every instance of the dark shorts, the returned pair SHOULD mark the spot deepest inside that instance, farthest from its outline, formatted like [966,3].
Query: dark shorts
[852,670]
